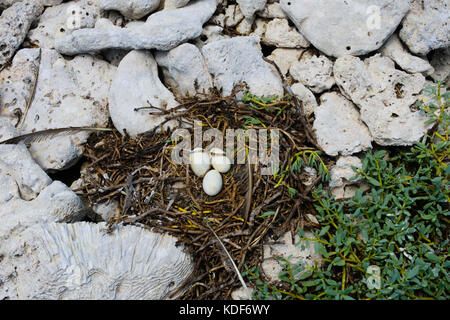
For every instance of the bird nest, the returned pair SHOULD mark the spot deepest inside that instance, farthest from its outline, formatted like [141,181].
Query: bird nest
[158,194]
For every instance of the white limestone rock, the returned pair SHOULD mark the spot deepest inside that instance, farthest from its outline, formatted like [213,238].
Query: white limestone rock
[301,252]
[48,3]
[62,19]
[394,49]
[271,11]
[343,27]
[81,261]
[344,181]
[315,72]
[7,130]
[174,4]
[68,94]
[342,173]
[135,84]
[132,9]
[249,7]
[426,27]
[184,70]
[385,96]
[306,97]
[16,162]
[239,59]
[210,33]
[338,127]
[278,33]
[16,85]
[440,60]
[284,58]
[245,26]
[163,30]
[233,15]
[14,25]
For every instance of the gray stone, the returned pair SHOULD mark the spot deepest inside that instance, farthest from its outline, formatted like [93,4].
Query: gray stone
[343,27]
[163,30]
[60,20]
[278,33]
[184,70]
[210,33]
[306,97]
[81,261]
[16,162]
[426,27]
[14,25]
[233,15]
[338,127]
[300,252]
[440,60]
[271,11]
[284,58]
[68,94]
[315,72]
[174,4]
[48,3]
[385,96]
[136,84]
[344,180]
[394,49]
[249,7]
[237,60]
[16,85]
[132,9]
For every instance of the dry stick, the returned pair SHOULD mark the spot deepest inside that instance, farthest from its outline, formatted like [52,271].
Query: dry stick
[308,131]
[231,260]
[33,90]
[248,196]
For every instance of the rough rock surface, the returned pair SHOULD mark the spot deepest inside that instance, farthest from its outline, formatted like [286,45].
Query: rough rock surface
[132,9]
[394,49]
[302,252]
[16,85]
[441,64]
[284,58]
[136,84]
[47,3]
[81,261]
[184,70]
[344,181]
[385,96]
[78,98]
[314,72]
[237,60]
[338,127]
[60,20]
[271,11]
[163,30]
[426,27]
[278,33]
[14,25]
[16,162]
[249,7]
[345,27]
[173,4]
[306,97]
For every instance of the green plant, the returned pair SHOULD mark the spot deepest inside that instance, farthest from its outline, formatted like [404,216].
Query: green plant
[400,226]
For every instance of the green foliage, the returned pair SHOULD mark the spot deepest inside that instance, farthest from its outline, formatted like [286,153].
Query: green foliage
[400,225]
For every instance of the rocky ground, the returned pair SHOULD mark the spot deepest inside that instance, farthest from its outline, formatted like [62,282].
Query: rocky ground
[358,67]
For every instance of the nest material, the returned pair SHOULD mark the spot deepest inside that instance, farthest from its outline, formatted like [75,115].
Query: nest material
[155,193]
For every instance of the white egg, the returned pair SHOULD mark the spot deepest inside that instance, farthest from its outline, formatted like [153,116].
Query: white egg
[200,162]
[216,152]
[212,183]
[221,163]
